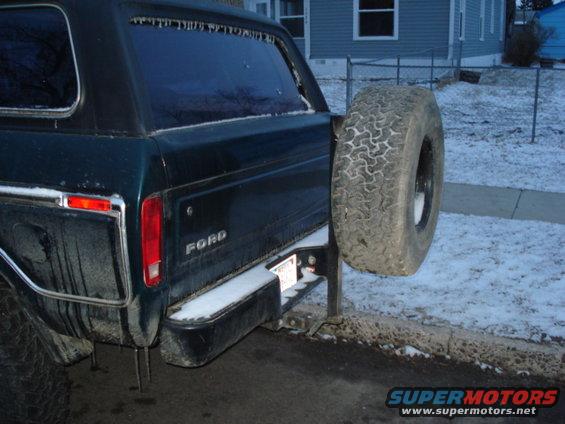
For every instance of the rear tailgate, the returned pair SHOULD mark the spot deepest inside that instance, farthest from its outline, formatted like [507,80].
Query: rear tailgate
[246,154]
[253,187]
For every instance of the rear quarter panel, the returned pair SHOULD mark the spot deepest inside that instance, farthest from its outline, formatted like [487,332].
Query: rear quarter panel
[96,165]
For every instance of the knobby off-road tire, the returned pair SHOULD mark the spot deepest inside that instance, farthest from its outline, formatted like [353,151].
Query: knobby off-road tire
[33,388]
[388,179]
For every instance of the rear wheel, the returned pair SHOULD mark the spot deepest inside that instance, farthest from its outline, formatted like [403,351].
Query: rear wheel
[388,179]
[33,388]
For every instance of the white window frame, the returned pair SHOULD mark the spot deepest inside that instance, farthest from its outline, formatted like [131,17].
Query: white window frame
[482,21]
[462,19]
[356,20]
[280,17]
[492,16]
[502,19]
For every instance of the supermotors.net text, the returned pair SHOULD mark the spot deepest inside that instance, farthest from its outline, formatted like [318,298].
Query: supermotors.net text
[471,402]
[468,412]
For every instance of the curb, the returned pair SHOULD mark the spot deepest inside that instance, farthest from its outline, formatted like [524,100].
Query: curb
[511,355]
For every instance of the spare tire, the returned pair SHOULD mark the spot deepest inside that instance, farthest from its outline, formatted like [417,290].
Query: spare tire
[387,179]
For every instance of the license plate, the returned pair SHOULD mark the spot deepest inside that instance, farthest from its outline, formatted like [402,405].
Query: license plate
[287,271]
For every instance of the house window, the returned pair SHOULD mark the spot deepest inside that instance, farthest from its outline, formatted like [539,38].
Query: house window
[375,19]
[292,17]
[462,16]
[482,22]
[492,16]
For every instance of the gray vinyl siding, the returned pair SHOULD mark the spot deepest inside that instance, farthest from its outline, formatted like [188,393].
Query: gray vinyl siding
[422,25]
[472,45]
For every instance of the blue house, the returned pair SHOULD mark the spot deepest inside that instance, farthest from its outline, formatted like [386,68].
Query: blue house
[327,31]
[553,17]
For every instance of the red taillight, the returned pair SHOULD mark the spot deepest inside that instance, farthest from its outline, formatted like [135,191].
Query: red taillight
[151,240]
[89,203]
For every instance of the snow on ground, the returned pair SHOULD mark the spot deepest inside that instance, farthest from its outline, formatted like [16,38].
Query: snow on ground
[491,275]
[488,128]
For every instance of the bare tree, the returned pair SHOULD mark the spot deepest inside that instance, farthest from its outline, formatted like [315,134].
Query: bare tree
[541,4]
[510,16]
[535,4]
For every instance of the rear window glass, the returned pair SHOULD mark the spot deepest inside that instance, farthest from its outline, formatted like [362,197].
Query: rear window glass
[37,69]
[197,73]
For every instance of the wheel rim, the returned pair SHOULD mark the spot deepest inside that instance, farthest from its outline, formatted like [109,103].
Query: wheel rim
[423,189]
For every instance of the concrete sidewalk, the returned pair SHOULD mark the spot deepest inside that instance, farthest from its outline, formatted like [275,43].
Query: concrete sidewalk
[506,203]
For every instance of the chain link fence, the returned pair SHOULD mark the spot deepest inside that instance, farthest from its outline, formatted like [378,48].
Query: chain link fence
[499,101]
[504,126]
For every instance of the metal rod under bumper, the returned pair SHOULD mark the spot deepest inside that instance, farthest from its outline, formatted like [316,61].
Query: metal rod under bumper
[137,369]
[334,270]
[147,363]
[334,277]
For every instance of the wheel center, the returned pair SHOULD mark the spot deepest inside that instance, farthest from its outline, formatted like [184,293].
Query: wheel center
[423,190]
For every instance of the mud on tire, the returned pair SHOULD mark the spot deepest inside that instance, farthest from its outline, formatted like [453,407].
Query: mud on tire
[387,179]
[33,388]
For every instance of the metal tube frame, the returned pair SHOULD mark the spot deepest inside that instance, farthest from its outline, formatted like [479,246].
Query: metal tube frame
[536,99]
[432,72]
[349,83]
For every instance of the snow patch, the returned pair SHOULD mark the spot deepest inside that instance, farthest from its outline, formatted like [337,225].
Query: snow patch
[220,298]
[327,337]
[486,367]
[411,352]
[231,120]
[491,275]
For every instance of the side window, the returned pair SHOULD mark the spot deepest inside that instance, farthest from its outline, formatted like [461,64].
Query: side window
[197,72]
[37,68]
[292,17]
